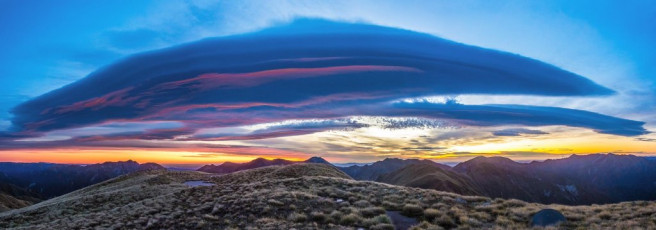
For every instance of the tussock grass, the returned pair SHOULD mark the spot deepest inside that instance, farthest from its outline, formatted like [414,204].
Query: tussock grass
[303,196]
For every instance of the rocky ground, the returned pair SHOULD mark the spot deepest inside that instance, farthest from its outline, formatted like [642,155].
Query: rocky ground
[300,196]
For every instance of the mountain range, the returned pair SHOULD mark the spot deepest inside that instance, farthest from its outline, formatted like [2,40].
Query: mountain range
[13,197]
[229,167]
[575,180]
[373,171]
[578,179]
[22,184]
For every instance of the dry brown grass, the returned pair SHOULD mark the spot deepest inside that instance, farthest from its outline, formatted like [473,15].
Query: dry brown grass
[305,196]
[8,202]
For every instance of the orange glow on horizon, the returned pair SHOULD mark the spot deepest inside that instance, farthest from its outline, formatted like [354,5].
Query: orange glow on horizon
[92,156]
[555,145]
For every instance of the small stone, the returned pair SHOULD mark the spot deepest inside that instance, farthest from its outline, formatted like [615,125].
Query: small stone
[151,223]
[217,208]
[210,217]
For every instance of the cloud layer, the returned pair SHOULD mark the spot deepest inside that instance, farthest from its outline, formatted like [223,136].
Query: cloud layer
[517,132]
[309,69]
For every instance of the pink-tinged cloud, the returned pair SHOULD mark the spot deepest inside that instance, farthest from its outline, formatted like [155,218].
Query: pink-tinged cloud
[150,134]
[216,80]
[258,136]
[115,99]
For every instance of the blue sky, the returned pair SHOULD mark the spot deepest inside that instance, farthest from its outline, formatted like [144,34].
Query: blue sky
[47,45]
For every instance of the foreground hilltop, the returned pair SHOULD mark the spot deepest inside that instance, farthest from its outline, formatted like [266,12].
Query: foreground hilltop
[302,196]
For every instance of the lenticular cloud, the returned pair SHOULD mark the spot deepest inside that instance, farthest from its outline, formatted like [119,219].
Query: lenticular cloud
[291,69]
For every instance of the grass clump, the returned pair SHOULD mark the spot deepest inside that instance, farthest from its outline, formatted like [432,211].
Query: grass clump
[372,211]
[391,206]
[336,215]
[350,219]
[318,217]
[431,213]
[412,210]
[297,217]
[445,221]
[377,220]
[275,203]
[362,204]
[382,227]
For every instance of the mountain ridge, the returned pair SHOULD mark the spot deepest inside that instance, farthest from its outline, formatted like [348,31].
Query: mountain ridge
[48,180]
[230,167]
[378,168]
[578,179]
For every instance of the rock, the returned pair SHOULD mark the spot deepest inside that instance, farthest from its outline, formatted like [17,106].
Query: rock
[217,208]
[211,217]
[547,217]
[151,223]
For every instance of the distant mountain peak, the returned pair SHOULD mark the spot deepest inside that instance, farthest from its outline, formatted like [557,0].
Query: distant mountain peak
[388,159]
[316,159]
[387,165]
[229,167]
[492,159]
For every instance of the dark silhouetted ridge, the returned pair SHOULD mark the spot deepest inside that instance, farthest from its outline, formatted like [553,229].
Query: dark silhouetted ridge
[49,180]
[388,165]
[229,167]
[578,179]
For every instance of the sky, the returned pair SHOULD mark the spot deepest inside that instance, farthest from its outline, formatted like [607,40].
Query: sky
[196,82]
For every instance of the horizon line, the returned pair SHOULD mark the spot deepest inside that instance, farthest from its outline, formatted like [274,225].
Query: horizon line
[449,163]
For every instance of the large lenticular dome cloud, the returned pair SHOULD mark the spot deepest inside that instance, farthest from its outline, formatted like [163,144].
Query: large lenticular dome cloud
[306,62]
[300,72]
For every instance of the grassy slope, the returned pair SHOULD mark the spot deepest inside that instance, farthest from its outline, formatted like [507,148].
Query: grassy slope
[13,197]
[8,202]
[303,196]
[430,177]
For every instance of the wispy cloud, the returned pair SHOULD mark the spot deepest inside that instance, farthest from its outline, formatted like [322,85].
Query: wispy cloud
[517,132]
